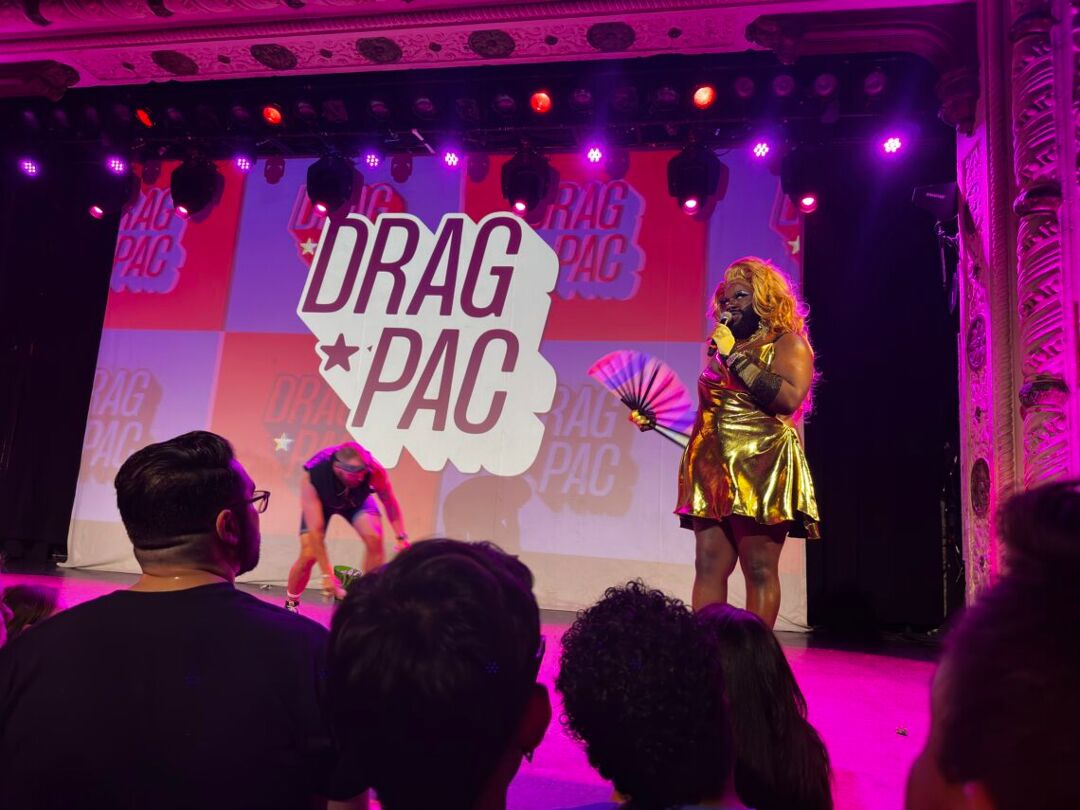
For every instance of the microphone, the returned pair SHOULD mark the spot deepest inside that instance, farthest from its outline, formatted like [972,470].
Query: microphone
[724,318]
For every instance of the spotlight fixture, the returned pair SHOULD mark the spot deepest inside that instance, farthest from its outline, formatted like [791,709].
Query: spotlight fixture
[704,96]
[29,167]
[306,111]
[372,159]
[504,104]
[334,111]
[745,88]
[468,110]
[194,184]
[581,99]
[801,176]
[144,117]
[625,99]
[594,154]
[783,85]
[526,180]
[271,114]
[695,175]
[875,82]
[826,84]
[760,149]
[240,115]
[274,169]
[401,167]
[451,158]
[892,145]
[244,162]
[379,109]
[424,108]
[330,181]
[540,102]
[112,190]
[116,164]
[666,97]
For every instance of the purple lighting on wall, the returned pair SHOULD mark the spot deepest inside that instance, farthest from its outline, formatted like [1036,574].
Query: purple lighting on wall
[29,167]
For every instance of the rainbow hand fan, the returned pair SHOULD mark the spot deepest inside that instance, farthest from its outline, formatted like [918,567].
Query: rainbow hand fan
[644,383]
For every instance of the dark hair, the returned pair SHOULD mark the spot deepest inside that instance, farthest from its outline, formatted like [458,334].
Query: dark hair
[176,488]
[432,660]
[1042,526]
[643,690]
[780,761]
[1010,706]
[29,604]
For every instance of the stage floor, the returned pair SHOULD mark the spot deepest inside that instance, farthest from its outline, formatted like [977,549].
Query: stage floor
[871,709]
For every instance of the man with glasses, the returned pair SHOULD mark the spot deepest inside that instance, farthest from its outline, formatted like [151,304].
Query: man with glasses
[344,480]
[180,691]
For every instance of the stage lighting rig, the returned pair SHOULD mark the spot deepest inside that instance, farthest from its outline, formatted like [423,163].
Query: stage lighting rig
[695,176]
[527,178]
[195,184]
[330,182]
[112,189]
[801,178]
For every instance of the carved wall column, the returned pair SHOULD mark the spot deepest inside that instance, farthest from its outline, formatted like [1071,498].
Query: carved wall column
[1044,164]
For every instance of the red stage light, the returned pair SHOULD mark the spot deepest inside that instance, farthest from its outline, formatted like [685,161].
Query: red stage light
[271,114]
[704,96]
[144,117]
[540,102]
[808,203]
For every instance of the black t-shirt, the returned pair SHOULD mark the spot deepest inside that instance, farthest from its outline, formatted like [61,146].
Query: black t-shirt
[201,698]
[336,498]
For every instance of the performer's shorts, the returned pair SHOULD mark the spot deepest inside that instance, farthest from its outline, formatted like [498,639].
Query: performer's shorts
[369,506]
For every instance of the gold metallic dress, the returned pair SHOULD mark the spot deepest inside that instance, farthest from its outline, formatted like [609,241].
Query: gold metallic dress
[742,460]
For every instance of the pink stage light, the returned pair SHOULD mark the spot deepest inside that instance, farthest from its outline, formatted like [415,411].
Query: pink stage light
[96,211]
[451,159]
[244,163]
[117,165]
[321,208]
[595,154]
[761,149]
[372,160]
[808,203]
[29,167]
[520,207]
[182,212]
[690,205]
[892,145]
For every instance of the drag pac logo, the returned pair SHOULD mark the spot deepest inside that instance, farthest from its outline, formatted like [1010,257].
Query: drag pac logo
[122,408]
[149,253]
[304,416]
[593,227]
[432,339]
[306,224]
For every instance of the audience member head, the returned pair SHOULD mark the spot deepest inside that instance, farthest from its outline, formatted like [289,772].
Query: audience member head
[27,605]
[643,690]
[433,664]
[780,761]
[187,504]
[1004,708]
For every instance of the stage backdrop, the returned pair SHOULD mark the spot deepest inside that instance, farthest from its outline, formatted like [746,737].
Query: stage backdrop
[445,334]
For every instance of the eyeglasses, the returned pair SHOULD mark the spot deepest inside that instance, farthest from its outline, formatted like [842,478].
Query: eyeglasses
[350,468]
[261,500]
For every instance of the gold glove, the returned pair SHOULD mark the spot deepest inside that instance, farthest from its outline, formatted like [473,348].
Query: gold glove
[722,339]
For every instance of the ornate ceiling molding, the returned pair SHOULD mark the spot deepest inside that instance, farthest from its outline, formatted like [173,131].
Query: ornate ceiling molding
[137,41]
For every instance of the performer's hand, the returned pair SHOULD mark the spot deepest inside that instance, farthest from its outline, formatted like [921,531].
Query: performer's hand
[403,543]
[645,420]
[722,339]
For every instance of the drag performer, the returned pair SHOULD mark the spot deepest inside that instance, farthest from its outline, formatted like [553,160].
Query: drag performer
[341,480]
[744,484]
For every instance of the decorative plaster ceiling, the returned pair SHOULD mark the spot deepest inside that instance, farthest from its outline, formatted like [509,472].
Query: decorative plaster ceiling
[47,46]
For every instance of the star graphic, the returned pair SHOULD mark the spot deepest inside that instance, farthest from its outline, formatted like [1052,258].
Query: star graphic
[308,246]
[793,245]
[282,442]
[338,353]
